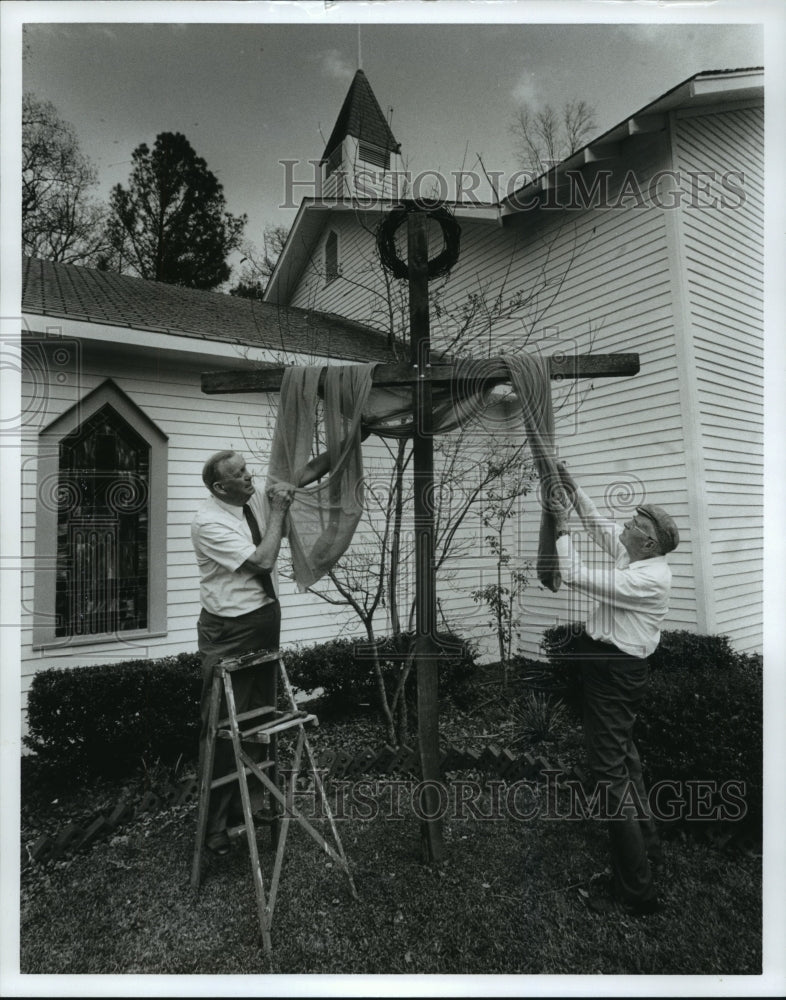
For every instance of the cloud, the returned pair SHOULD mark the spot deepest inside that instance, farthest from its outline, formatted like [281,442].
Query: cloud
[334,65]
[526,90]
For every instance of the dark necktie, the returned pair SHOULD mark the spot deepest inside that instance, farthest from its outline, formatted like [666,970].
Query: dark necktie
[256,537]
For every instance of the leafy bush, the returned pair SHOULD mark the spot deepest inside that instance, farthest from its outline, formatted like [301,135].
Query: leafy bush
[705,723]
[344,668]
[538,718]
[702,716]
[108,719]
[681,650]
[560,646]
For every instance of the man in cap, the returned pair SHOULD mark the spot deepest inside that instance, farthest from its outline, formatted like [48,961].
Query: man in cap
[631,589]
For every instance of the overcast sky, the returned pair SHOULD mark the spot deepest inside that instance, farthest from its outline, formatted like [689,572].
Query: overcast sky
[249,95]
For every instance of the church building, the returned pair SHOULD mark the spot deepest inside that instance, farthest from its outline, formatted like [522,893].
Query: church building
[647,240]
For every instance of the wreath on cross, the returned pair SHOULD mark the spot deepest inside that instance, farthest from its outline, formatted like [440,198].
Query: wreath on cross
[386,238]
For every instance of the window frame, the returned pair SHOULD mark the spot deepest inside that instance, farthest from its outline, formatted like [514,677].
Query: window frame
[377,156]
[49,439]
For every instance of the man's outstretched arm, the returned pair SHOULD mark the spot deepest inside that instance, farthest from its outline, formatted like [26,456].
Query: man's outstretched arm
[317,467]
[603,530]
[264,557]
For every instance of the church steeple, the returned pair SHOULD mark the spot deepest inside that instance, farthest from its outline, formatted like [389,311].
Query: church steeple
[362,150]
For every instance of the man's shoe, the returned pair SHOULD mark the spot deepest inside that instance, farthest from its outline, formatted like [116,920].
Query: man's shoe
[267,814]
[264,815]
[219,843]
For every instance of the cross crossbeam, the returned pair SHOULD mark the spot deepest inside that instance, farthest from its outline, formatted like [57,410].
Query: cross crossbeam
[562,366]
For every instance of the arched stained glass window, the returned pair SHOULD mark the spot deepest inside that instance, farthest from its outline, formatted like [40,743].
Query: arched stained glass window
[103,527]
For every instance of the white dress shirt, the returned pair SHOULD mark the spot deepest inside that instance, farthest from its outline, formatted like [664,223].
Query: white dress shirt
[222,543]
[632,597]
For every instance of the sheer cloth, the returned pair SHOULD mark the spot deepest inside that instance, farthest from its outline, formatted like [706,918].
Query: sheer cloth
[323,516]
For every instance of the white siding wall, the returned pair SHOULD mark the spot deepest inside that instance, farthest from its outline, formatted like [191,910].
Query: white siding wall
[723,261]
[357,177]
[597,279]
[169,393]
[359,292]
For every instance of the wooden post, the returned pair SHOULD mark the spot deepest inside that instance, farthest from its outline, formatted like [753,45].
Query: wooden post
[426,648]
[421,376]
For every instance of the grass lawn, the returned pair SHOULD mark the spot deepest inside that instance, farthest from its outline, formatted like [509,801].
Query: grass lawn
[504,900]
[508,897]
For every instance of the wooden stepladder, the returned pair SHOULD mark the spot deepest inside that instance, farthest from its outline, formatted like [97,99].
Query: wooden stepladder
[261,725]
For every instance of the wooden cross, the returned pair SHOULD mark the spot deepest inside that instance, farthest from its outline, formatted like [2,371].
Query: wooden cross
[420,374]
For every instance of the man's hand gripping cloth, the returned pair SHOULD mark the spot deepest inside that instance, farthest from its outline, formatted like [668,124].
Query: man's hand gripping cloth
[323,517]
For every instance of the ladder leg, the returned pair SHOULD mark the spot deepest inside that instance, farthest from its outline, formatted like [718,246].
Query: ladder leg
[317,780]
[205,778]
[275,826]
[281,842]
[241,759]
[329,814]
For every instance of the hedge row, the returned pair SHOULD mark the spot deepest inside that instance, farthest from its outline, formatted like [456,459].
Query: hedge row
[702,719]
[110,719]
[344,669]
[703,713]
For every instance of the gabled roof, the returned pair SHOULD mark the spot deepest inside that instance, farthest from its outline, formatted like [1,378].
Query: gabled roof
[315,214]
[710,87]
[81,293]
[361,117]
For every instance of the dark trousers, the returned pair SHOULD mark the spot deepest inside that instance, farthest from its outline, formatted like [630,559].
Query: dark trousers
[614,685]
[253,687]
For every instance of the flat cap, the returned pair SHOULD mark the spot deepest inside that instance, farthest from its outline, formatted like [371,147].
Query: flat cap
[665,527]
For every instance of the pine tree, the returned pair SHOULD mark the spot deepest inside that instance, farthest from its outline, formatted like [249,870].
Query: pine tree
[170,223]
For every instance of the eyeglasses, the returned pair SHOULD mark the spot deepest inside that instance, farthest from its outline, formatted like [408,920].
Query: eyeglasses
[632,524]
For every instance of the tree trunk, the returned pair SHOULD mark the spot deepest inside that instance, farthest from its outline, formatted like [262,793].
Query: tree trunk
[382,693]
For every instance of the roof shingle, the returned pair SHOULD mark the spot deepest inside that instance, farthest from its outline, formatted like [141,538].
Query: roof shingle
[361,117]
[81,293]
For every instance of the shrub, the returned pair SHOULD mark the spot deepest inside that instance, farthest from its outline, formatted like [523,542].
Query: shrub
[108,719]
[344,668]
[705,724]
[681,650]
[328,665]
[559,644]
[702,716]
[538,717]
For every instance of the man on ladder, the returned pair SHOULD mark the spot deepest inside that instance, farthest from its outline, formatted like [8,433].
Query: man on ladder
[236,549]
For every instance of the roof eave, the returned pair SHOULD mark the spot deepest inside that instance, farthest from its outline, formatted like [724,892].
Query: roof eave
[702,89]
[271,292]
[294,256]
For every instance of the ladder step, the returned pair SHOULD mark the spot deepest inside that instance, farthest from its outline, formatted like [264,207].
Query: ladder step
[301,719]
[260,733]
[247,660]
[226,778]
[253,714]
